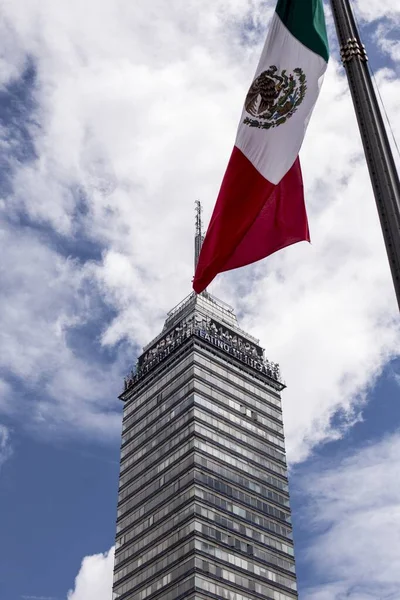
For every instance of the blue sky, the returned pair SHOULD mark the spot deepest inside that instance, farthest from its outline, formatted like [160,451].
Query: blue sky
[105,138]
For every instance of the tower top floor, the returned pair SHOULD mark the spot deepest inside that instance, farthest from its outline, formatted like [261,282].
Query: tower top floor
[204,317]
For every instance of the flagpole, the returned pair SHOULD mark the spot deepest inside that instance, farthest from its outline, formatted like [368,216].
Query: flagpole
[378,154]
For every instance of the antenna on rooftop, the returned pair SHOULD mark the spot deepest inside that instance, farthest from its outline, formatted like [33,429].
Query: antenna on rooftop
[199,237]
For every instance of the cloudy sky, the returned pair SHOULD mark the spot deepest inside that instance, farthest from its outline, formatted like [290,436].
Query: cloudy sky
[114,117]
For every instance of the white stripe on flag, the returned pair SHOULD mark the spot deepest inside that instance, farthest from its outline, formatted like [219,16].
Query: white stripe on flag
[273,151]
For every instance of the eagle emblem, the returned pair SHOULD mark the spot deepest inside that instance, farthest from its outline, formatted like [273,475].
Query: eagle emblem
[272,98]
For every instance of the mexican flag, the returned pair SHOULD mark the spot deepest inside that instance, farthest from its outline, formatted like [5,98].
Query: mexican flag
[260,207]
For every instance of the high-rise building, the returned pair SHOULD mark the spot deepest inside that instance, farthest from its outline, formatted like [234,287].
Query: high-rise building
[203,506]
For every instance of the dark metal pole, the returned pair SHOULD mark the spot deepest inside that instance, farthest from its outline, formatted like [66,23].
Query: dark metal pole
[381,166]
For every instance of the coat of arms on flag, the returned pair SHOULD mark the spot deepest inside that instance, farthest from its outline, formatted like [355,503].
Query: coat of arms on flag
[274,97]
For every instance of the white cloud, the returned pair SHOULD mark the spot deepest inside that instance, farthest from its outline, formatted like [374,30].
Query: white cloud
[136,109]
[386,16]
[385,37]
[354,511]
[44,298]
[377,9]
[5,445]
[94,580]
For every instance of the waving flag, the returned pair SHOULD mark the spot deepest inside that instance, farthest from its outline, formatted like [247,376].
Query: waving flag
[260,207]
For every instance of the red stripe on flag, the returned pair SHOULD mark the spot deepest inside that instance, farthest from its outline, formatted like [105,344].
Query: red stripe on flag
[252,219]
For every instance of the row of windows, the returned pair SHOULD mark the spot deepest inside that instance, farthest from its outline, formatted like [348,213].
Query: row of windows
[241,580]
[253,501]
[160,549]
[238,544]
[256,418]
[155,414]
[249,441]
[215,422]
[156,567]
[253,425]
[184,585]
[228,506]
[180,515]
[161,495]
[220,536]
[177,376]
[172,458]
[257,392]
[231,475]
[154,470]
[178,382]
[215,365]
[149,387]
[182,551]
[165,392]
[141,425]
[158,427]
[233,398]
[164,450]
[246,565]
[238,420]
[222,592]
[219,503]
[164,497]
[251,455]
[223,427]
[261,386]
[244,530]
[148,538]
[159,385]
[154,440]
[241,464]
[151,489]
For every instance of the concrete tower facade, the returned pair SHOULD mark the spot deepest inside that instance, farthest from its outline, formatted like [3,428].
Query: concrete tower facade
[203,506]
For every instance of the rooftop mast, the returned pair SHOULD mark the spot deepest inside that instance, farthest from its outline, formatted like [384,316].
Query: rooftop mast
[199,237]
[378,154]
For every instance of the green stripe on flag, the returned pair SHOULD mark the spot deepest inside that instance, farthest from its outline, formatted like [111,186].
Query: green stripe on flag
[305,20]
